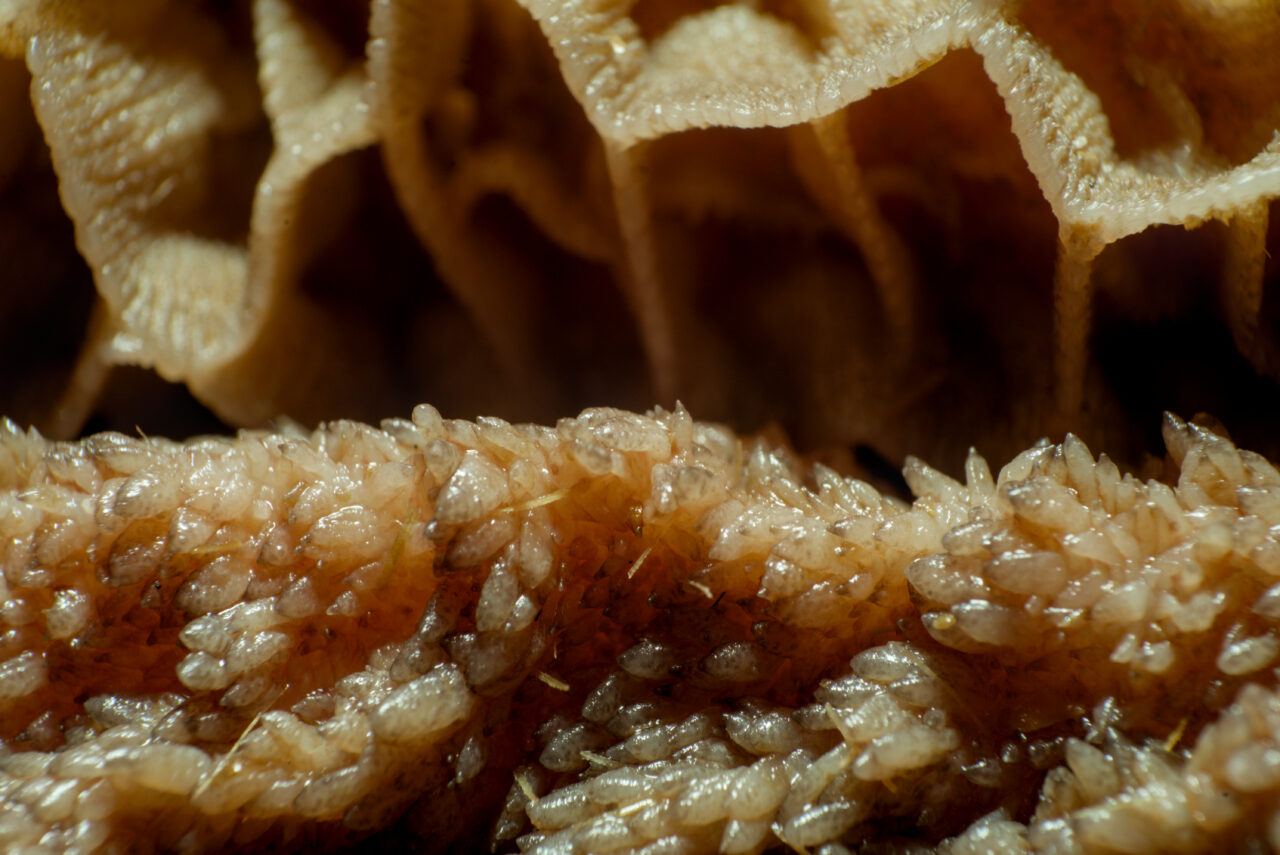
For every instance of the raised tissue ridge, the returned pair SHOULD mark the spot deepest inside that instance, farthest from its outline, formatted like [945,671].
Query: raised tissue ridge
[843,217]
[631,633]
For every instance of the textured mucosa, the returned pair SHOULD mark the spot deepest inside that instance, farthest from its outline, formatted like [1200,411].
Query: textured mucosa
[845,218]
[869,222]
[631,633]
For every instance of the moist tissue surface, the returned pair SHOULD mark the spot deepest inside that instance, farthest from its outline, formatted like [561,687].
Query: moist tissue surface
[631,633]
[893,228]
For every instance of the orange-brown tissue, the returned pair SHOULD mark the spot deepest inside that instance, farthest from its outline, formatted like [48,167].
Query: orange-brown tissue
[631,633]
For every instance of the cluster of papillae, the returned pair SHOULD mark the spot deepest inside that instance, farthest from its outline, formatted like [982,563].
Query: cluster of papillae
[843,216]
[631,633]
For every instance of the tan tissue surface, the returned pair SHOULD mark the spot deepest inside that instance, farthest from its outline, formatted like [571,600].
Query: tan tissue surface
[886,228]
[631,633]
[844,218]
